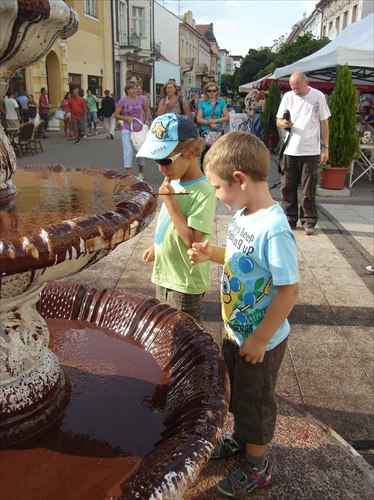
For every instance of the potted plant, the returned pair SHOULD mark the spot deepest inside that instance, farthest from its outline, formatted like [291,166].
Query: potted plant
[344,142]
[268,118]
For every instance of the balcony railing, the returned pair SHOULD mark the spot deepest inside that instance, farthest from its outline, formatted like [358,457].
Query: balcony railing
[131,41]
[157,47]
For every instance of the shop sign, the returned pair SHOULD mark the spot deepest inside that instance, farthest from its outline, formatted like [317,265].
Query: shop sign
[140,68]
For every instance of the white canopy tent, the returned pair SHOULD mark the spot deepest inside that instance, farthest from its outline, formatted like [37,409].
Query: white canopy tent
[257,84]
[354,46]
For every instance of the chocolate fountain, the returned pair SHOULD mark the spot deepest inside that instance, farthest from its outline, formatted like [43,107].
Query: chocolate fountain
[103,393]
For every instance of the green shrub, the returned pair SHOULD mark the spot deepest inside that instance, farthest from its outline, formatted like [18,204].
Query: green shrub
[271,107]
[344,142]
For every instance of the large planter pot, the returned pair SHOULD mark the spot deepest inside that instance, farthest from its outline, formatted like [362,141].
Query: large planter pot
[333,177]
[272,141]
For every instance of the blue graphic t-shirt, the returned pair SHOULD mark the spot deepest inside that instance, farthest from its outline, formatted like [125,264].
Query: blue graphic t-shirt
[260,256]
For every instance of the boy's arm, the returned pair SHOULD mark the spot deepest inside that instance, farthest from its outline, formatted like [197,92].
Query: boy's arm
[187,233]
[201,252]
[254,346]
[149,255]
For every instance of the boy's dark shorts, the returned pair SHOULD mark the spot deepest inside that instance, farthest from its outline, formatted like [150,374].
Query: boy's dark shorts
[252,399]
[191,304]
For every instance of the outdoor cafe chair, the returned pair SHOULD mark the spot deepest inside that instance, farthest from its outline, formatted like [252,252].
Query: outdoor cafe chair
[22,140]
[37,136]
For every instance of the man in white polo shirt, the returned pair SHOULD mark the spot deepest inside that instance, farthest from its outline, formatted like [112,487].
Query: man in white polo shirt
[306,148]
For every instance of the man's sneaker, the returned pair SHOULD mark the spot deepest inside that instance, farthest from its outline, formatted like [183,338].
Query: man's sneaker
[95,132]
[228,445]
[112,136]
[244,480]
[141,176]
[77,142]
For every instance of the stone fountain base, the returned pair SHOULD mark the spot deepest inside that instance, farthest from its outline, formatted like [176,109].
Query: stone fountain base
[149,392]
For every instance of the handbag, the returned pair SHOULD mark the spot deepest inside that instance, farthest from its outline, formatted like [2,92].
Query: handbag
[30,112]
[138,138]
[212,137]
[59,114]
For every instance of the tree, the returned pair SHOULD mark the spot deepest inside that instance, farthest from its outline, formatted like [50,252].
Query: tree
[237,79]
[226,84]
[254,62]
[302,47]
[258,63]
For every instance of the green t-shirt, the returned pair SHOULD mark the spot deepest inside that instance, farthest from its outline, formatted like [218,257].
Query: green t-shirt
[172,268]
[92,101]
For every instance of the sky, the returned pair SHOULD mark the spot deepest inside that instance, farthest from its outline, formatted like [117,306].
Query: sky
[240,25]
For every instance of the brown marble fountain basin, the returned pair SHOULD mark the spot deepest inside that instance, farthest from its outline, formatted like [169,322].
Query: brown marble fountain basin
[61,221]
[148,394]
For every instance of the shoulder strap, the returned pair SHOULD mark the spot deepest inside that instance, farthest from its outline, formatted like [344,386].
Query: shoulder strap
[181,105]
[214,109]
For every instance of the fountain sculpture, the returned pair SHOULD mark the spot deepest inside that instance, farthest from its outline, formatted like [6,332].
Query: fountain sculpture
[49,230]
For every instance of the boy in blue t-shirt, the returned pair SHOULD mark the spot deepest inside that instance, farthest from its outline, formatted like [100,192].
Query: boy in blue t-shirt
[259,288]
[186,216]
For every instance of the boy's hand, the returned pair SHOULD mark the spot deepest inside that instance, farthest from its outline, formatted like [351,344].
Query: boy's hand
[253,350]
[149,255]
[199,252]
[166,188]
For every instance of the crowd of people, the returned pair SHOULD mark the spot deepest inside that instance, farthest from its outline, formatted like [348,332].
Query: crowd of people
[14,111]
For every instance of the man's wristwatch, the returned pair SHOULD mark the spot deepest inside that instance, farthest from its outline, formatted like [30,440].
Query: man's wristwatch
[325,146]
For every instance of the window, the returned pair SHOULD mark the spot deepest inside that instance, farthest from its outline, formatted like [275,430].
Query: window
[122,17]
[122,24]
[354,14]
[138,21]
[337,24]
[74,81]
[345,19]
[95,84]
[90,8]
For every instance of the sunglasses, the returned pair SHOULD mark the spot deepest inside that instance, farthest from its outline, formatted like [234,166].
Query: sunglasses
[212,90]
[168,161]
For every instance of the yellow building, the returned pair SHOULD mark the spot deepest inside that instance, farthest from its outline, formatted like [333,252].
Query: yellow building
[84,60]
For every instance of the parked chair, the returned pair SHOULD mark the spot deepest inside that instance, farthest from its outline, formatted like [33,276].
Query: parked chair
[22,140]
[36,139]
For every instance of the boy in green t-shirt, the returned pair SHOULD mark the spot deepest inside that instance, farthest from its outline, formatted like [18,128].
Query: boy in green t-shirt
[186,215]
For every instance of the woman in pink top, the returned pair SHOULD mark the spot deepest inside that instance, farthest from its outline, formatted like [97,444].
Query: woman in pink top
[129,107]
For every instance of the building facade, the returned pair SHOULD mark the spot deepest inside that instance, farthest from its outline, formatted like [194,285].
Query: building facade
[134,45]
[227,63]
[122,41]
[81,61]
